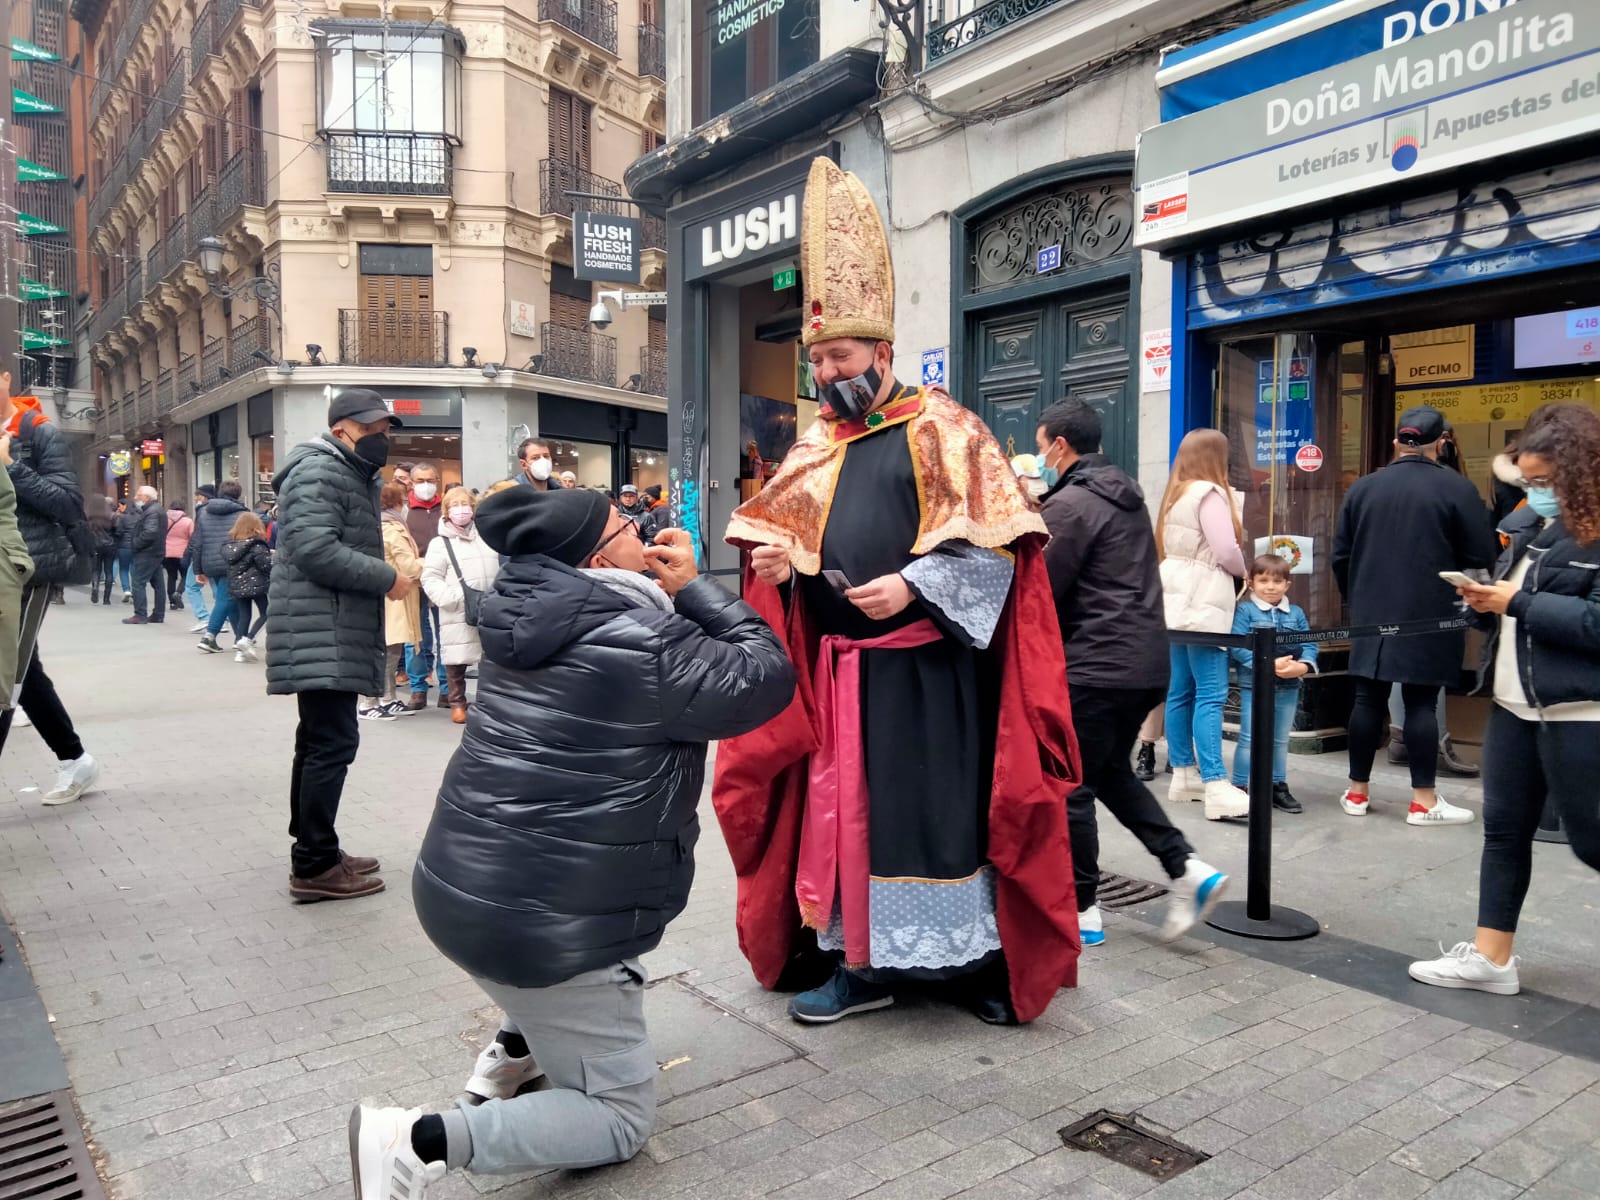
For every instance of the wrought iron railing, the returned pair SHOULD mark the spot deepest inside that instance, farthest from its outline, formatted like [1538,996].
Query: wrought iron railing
[652,52]
[578,354]
[404,164]
[202,41]
[110,189]
[175,84]
[953,24]
[653,231]
[557,178]
[166,391]
[146,412]
[213,363]
[175,246]
[127,414]
[203,217]
[652,371]
[133,290]
[185,376]
[243,181]
[594,20]
[227,10]
[245,338]
[386,337]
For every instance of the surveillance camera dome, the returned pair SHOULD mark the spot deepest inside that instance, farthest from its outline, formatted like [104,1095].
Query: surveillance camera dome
[600,315]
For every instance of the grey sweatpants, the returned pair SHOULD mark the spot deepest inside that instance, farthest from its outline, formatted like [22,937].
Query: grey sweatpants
[588,1037]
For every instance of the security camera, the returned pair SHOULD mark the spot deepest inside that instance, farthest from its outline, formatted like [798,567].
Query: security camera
[600,315]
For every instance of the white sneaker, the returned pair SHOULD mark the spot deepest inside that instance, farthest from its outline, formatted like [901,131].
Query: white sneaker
[200,627]
[1223,800]
[19,719]
[498,1076]
[1186,785]
[1442,813]
[1194,894]
[244,650]
[1354,804]
[376,713]
[73,779]
[1465,967]
[1091,929]
[382,1162]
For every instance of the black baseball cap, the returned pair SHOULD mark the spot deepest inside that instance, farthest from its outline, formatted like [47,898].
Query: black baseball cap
[360,404]
[1420,426]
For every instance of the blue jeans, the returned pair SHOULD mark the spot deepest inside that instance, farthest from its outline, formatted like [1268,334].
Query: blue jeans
[125,567]
[1284,703]
[420,658]
[196,596]
[1194,709]
[223,610]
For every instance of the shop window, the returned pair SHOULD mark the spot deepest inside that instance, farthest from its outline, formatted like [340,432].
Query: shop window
[589,461]
[647,468]
[441,451]
[741,49]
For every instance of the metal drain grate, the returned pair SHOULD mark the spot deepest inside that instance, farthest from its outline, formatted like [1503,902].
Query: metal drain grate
[42,1155]
[1122,1139]
[1123,891]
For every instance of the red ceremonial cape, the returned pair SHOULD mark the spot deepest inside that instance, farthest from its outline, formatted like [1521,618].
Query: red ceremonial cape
[760,785]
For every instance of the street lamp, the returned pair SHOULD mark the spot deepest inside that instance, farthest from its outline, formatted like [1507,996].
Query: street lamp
[265,289]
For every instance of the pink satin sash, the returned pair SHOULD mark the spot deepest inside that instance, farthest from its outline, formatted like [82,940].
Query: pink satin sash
[835,854]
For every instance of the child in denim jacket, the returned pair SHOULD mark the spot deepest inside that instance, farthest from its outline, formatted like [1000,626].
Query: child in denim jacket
[1268,605]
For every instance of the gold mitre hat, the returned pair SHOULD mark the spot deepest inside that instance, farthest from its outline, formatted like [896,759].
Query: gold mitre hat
[849,280]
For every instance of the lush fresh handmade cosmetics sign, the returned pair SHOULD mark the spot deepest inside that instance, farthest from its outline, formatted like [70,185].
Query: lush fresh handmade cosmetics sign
[1526,76]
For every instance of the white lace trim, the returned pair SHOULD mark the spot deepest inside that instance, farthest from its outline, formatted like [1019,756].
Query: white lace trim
[926,924]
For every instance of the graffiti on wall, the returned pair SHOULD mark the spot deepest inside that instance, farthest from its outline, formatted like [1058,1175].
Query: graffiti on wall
[1528,222]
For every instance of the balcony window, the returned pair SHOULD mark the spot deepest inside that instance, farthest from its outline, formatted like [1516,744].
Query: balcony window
[403,80]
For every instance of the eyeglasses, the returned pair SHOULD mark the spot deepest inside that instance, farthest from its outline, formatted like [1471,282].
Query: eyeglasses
[1539,481]
[627,527]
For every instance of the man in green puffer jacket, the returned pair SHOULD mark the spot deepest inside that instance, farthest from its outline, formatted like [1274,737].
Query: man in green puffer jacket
[326,597]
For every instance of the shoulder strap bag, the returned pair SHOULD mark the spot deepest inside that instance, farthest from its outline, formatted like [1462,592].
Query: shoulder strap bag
[473,596]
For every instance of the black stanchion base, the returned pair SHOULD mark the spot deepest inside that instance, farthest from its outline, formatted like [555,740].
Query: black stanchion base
[1284,925]
[1556,836]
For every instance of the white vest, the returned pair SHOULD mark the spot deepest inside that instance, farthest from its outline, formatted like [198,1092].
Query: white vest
[1199,594]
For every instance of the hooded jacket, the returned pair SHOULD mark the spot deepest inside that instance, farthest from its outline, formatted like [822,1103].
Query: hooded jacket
[1106,577]
[48,499]
[213,526]
[249,567]
[329,577]
[563,836]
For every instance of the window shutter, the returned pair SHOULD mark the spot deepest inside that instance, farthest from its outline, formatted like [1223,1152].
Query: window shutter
[582,114]
[560,125]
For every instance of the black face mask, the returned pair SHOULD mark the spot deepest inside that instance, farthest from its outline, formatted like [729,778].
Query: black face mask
[373,448]
[852,399]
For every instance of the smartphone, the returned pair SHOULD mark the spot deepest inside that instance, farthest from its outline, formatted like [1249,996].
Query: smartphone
[841,582]
[1460,579]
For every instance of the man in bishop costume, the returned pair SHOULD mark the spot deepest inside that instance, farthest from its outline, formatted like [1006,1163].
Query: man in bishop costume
[909,806]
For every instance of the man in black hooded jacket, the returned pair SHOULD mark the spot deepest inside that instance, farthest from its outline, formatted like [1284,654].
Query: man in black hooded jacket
[1107,583]
[563,839]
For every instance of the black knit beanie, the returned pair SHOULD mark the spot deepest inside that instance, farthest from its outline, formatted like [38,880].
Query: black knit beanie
[565,524]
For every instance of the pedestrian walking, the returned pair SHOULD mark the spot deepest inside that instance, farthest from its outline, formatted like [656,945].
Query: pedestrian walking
[122,529]
[459,568]
[328,584]
[16,569]
[249,560]
[899,558]
[1268,607]
[1397,529]
[192,590]
[38,459]
[1198,535]
[422,660]
[149,543]
[180,528]
[1541,664]
[1104,574]
[1151,732]
[401,615]
[213,525]
[102,516]
[562,842]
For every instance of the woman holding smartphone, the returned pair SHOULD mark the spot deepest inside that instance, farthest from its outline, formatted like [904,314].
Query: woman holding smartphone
[1542,666]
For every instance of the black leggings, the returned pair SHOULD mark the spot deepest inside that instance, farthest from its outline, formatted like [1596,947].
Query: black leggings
[1523,763]
[1369,720]
[174,575]
[243,604]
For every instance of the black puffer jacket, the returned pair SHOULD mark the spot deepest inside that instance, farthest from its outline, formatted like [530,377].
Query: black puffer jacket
[563,836]
[249,567]
[1557,613]
[149,538]
[213,526]
[48,499]
[122,528]
[329,577]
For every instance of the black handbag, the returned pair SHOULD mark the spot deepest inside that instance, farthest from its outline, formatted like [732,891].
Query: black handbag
[473,596]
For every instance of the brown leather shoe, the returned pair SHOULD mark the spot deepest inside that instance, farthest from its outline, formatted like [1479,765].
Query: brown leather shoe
[359,864]
[444,699]
[336,883]
[418,702]
[458,714]
[401,679]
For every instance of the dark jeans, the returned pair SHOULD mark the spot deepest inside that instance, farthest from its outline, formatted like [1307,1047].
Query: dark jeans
[39,699]
[325,744]
[1369,723]
[1523,762]
[105,568]
[146,579]
[243,603]
[174,568]
[1107,721]
[125,567]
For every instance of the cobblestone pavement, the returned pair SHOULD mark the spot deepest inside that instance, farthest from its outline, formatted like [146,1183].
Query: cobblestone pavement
[217,1034]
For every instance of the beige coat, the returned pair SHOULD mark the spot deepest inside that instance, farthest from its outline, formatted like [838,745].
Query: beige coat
[1199,594]
[402,619]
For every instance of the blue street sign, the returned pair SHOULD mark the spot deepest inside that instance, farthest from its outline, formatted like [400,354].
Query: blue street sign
[1049,259]
[933,368]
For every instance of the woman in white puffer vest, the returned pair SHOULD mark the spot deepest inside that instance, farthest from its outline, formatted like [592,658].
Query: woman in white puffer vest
[442,575]
[1198,535]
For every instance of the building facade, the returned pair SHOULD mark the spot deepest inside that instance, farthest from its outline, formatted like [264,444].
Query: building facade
[287,197]
[998,140]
